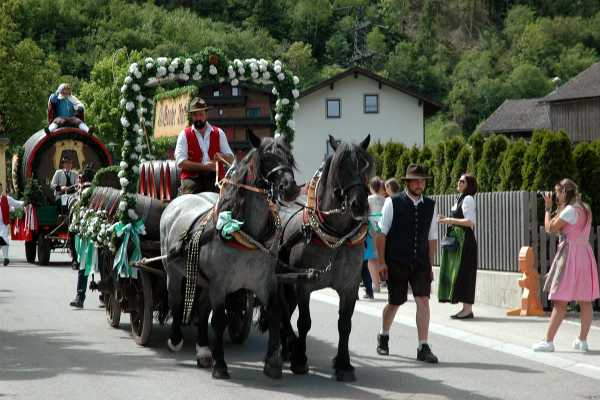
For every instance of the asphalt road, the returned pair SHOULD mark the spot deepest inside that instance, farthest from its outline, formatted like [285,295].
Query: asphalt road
[50,351]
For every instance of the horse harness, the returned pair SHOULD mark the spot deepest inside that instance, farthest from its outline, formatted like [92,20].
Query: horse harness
[313,221]
[196,238]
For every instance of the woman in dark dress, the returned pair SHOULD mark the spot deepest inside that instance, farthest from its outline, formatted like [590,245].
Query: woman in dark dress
[463,216]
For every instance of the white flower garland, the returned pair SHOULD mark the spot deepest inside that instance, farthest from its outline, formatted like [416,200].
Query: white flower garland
[138,88]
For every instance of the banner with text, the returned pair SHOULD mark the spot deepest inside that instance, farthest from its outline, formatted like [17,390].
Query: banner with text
[170,115]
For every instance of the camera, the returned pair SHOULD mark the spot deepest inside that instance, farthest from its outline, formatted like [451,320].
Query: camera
[541,194]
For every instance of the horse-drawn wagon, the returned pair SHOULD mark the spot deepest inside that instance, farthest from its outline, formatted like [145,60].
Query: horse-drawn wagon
[44,228]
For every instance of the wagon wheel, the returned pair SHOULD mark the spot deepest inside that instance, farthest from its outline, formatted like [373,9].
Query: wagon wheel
[44,246]
[141,314]
[30,250]
[240,309]
[113,309]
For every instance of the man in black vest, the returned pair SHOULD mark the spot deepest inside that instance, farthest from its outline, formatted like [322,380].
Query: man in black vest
[406,249]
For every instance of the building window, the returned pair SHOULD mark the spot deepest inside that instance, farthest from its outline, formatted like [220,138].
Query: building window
[216,93]
[253,112]
[371,103]
[334,108]
[235,91]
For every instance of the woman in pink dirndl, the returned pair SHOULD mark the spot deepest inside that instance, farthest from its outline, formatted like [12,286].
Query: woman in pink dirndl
[573,275]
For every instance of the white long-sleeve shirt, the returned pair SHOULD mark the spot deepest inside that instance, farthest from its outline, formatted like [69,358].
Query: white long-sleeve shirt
[181,148]
[387,216]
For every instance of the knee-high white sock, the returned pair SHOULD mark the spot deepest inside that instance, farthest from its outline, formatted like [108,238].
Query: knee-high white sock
[52,127]
[5,251]
[84,127]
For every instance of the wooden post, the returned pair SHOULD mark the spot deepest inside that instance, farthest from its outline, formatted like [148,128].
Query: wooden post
[530,300]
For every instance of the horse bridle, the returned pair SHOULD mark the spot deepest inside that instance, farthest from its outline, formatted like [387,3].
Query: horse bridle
[271,192]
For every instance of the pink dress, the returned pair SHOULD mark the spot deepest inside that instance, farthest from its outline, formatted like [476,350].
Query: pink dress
[574,273]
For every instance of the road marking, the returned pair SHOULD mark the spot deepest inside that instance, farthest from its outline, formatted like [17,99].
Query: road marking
[552,360]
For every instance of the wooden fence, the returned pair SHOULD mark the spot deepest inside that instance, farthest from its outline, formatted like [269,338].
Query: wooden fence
[506,221]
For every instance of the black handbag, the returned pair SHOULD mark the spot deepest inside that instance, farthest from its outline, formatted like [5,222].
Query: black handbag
[449,243]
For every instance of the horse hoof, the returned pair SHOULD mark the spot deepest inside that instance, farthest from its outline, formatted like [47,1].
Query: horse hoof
[220,373]
[175,347]
[273,372]
[301,369]
[203,357]
[204,362]
[342,375]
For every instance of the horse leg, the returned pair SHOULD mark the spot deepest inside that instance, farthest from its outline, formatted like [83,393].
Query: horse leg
[203,355]
[218,323]
[298,361]
[273,363]
[288,303]
[175,342]
[344,371]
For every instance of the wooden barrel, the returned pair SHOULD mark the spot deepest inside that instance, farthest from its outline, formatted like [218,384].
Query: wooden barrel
[42,154]
[149,209]
[159,179]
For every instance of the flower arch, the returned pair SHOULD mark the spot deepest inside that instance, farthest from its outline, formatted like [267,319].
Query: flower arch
[209,66]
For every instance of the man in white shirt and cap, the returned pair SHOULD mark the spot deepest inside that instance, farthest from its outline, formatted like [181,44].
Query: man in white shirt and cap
[199,147]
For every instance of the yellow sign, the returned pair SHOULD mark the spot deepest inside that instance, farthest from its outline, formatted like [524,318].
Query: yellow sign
[170,115]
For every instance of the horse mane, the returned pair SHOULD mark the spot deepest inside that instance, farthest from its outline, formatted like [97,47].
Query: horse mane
[280,146]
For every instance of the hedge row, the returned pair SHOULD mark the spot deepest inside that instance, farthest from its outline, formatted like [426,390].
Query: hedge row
[499,163]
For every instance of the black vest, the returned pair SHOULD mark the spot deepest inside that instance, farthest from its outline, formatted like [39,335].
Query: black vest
[407,241]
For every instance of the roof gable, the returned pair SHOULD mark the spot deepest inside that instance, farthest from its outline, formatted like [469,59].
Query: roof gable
[431,106]
[586,84]
[523,115]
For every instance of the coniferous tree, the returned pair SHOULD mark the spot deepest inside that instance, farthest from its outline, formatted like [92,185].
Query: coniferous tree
[511,168]
[489,164]
[587,163]
[530,160]
[459,167]
[391,153]
[555,161]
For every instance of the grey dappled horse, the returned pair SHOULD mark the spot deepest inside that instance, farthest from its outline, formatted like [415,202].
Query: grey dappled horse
[341,204]
[224,269]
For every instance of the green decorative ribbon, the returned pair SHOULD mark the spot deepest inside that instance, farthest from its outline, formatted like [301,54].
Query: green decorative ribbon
[373,222]
[122,260]
[87,254]
[227,225]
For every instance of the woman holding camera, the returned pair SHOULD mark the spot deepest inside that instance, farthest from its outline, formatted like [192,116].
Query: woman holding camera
[458,272]
[573,275]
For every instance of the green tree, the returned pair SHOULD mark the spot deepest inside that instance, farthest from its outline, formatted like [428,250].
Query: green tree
[587,164]
[438,162]
[528,81]
[452,148]
[511,177]
[459,167]
[298,58]
[574,60]
[101,94]
[517,20]
[28,77]
[376,151]
[555,161]
[530,160]
[310,23]
[476,141]
[491,157]
[391,153]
